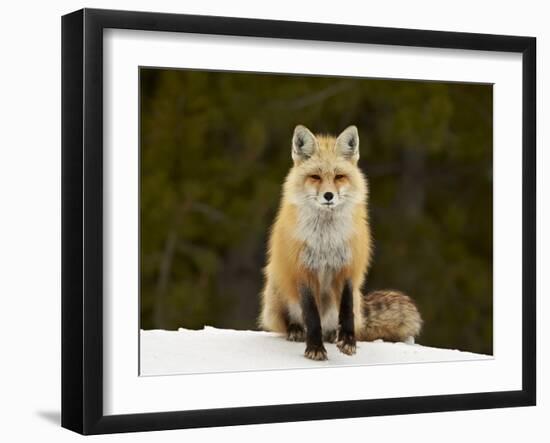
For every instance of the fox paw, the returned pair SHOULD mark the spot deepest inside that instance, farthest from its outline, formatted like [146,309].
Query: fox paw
[316,353]
[295,333]
[329,336]
[346,344]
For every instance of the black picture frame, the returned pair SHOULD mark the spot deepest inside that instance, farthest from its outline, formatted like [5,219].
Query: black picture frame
[82,220]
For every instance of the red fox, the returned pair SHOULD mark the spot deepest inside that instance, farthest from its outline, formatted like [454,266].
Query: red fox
[319,252]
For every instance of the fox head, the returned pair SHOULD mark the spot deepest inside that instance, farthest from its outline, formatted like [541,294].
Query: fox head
[325,175]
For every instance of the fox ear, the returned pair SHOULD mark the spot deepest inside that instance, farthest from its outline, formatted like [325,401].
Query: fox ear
[347,143]
[303,144]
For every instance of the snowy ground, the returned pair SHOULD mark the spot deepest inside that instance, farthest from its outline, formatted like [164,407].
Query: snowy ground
[220,350]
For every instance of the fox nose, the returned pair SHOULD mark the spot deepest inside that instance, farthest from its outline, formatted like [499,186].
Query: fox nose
[328,196]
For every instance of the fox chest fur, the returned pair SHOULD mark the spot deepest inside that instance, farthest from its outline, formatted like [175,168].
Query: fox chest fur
[326,239]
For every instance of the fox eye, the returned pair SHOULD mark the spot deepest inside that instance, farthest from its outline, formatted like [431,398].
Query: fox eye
[315,177]
[339,177]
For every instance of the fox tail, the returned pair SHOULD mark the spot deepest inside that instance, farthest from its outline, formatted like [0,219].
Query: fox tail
[389,315]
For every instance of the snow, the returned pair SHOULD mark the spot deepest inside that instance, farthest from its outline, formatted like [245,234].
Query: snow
[225,350]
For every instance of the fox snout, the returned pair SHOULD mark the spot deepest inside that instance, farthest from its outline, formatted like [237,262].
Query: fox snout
[327,198]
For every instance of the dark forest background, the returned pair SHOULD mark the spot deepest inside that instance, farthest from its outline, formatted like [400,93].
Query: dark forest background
[215,149]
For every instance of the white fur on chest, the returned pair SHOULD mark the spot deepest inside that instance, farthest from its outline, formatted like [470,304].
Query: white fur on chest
[326,236]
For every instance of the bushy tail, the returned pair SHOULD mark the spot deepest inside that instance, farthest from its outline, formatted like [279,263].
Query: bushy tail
[391,316]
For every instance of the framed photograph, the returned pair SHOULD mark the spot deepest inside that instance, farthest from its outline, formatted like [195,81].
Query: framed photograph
[269,221]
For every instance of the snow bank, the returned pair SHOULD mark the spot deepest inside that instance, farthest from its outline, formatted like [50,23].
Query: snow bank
[221,350]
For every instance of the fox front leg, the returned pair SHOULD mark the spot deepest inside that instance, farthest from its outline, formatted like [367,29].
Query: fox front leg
[346,328]
[314,335]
